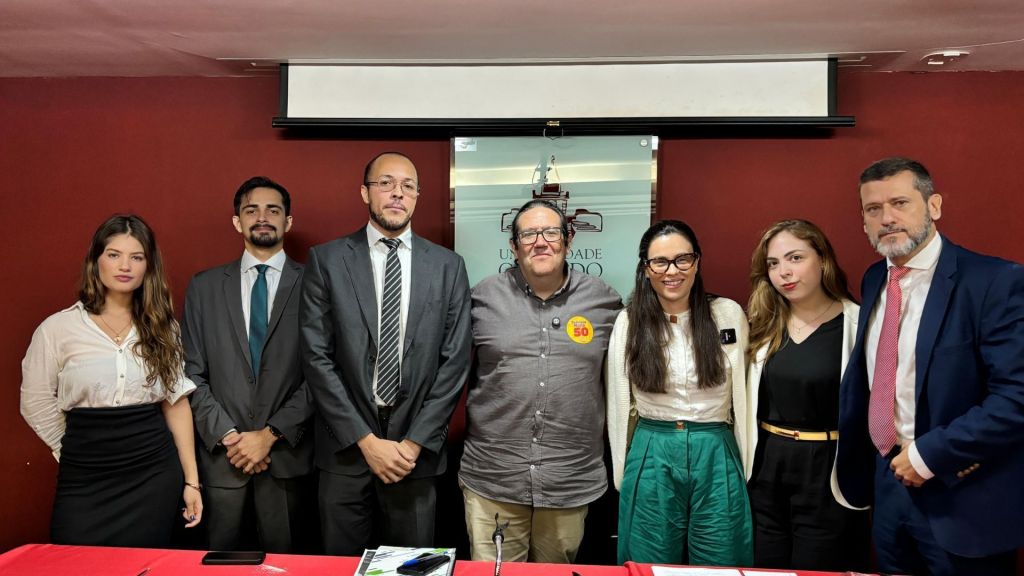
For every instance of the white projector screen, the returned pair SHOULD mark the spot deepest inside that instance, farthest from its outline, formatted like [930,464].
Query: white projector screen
[556,92]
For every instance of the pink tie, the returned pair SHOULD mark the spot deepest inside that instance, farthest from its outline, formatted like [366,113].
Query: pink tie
[882,410]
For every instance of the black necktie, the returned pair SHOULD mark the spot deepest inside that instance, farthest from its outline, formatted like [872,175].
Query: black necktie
[389,369]
[258,318]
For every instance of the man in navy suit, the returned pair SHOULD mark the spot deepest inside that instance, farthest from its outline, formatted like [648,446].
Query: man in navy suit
[931,425]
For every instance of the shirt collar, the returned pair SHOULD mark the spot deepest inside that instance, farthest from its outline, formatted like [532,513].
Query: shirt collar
[276,262]
[926,258]
[373,236]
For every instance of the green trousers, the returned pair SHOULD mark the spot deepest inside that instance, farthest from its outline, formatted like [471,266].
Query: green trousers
[684,498]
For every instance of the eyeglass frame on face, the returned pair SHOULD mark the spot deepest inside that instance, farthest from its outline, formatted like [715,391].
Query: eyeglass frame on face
[693,257]
[522,236]
[382,185]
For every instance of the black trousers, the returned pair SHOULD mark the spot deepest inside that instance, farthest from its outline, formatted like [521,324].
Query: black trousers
[797,522]
[279,507]
[359,512]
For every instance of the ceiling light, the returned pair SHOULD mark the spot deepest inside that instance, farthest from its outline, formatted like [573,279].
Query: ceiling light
[944,57]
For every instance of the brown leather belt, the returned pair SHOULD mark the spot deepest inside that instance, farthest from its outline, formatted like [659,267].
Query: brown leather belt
[798,435]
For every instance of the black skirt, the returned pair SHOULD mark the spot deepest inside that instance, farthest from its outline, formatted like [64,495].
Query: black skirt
[120,480]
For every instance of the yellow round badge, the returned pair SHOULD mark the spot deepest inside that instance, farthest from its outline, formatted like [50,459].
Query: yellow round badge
[580,330]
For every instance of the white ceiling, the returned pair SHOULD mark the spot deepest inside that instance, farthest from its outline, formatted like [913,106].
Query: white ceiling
[249,37]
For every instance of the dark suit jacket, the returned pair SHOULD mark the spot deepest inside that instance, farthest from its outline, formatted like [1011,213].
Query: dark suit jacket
[228,395]
[969,423]
[339,346]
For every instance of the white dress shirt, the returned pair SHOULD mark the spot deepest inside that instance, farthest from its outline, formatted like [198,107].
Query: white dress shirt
[72,363]
[683,399]
[915,286]
[249,276]
[378,258]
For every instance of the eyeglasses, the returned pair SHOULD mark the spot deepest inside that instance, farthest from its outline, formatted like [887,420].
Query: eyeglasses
[530,236]
[682,262]
[387,184]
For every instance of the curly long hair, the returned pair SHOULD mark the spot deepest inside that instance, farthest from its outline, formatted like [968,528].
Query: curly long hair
[648,335]
[768,310]
[159,341]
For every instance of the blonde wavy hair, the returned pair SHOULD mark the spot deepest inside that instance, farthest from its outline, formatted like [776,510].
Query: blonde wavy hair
[767,310]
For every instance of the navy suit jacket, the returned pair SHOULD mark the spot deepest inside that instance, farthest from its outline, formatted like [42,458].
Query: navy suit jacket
[969,420]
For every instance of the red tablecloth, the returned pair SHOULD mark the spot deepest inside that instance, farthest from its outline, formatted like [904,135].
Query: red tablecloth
[54,560]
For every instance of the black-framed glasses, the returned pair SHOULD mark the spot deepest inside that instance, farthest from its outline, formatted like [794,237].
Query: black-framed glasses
[530,236]
[387,184]
[682,262]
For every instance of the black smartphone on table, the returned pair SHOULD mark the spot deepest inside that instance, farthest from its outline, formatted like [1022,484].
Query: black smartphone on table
[223,557]
[423,565]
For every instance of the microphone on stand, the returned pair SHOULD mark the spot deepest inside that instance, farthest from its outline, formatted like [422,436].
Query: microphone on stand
[498,537]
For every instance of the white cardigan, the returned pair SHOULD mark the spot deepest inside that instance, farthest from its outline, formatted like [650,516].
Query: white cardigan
[850,314]
[619,397]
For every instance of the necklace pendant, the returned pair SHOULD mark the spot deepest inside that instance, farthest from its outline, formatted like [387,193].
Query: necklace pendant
[117,339]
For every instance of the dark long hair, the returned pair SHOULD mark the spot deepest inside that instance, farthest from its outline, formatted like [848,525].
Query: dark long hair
[648,335]
[768,310]
[159,343]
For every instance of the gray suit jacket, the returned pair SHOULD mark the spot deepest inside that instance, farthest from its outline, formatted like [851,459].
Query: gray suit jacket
[228,395]
[339,346]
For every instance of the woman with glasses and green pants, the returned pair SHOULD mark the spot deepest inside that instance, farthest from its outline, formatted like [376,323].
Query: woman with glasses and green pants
[676,361]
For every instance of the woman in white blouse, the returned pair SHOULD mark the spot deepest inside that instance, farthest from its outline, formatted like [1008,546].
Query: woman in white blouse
[103,386]
[676,360]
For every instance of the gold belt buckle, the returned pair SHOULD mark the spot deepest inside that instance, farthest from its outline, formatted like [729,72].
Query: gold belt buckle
[680,425]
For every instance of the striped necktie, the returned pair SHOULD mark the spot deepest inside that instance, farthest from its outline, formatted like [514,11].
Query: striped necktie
[389,369]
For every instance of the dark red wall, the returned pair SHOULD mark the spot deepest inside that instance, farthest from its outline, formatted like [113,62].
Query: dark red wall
[74,151]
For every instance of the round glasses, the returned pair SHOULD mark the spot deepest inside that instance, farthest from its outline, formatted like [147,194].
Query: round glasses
[682,262]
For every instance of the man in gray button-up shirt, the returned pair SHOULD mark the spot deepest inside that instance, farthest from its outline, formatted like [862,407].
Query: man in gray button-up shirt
[535,412]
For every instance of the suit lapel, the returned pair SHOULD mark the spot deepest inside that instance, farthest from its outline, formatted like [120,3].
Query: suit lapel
[934,313]
[289,275]
[360,273]
[233,296]
[871,292]
[422,276]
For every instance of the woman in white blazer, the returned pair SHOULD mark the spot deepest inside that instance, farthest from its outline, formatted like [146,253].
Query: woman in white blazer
[802,326]
[676,360]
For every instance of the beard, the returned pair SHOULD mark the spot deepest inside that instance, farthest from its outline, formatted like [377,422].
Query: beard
[914,239]
[391,225]
[264,239]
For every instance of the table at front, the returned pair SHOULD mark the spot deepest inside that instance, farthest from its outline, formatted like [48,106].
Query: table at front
[55,560]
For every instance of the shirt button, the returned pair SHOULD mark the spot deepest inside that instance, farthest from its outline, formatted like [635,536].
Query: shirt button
[118,402]
[120,351]
[534,439]
[121,376]
[541,385]
[538,412]
[543,356]
[532,467]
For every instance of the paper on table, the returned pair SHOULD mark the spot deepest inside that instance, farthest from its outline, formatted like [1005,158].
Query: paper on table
[385,560]
[684,571]
[764,573]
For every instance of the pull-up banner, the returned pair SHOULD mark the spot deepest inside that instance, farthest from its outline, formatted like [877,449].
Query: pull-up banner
[605,185]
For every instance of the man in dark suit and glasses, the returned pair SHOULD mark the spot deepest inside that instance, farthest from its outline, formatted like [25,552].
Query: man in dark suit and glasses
[251,406]
[386,340]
